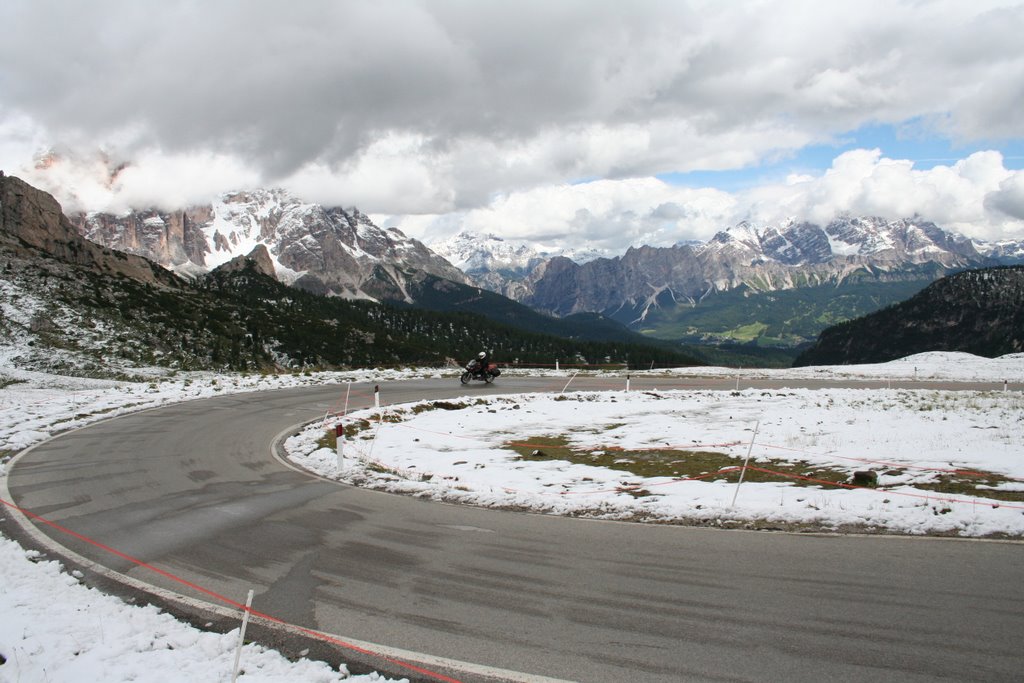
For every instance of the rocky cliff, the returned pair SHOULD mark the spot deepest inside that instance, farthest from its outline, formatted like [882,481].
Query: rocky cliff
[762,259]
[328,250]
[33,219]
[258,260]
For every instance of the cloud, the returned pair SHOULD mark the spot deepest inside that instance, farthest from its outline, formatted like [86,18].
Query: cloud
[534,120]
[976,196]
[499,97]
[100,182]
[964,197]
[1009,198]
[605,214]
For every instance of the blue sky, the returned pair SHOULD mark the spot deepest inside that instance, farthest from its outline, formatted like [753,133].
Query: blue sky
[908,141]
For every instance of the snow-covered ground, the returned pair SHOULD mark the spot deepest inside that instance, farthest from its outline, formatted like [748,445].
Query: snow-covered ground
[555,453]
[55,629]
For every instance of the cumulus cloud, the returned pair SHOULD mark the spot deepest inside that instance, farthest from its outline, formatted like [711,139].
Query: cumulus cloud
[608,215]
[493,114]
[976,196]
[534,92]
[101,182]
[1009,198]
[964,197]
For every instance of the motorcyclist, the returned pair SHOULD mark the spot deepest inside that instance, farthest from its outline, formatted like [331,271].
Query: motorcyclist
[480,368]
[481,360]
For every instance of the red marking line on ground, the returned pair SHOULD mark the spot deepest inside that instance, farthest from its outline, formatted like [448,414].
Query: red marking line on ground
[885,463]
[888,492]
[636,487]
[524,444]
[228,601]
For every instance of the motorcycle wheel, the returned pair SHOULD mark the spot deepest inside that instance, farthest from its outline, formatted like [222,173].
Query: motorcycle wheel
[466,376]
[488,377]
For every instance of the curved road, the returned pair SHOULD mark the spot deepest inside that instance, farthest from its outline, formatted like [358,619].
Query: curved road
[193,490]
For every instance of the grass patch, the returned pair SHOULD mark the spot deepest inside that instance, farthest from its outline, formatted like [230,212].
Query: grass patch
[351,429]
[328,440]
[636,493]
[746,333]
[964,484]
[686,464]
[669,462]
[444,405]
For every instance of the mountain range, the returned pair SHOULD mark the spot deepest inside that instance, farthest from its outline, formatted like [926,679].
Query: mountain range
[75,307]
[779,283]
[764,258]
[768,285]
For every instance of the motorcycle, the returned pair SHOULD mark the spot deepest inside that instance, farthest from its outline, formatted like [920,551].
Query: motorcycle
[475,371]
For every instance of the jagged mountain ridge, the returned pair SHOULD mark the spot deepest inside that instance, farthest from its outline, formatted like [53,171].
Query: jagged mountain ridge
[33,220]
[72,306]
[327,250]
[763,258]
[763,284]
[341,252]
[501,265]
[976,311]
[646,287]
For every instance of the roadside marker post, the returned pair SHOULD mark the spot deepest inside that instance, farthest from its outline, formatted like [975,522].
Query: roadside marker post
[339,435]
[241,635]
[627,383]
[376,396]
[745,462]
[570,381]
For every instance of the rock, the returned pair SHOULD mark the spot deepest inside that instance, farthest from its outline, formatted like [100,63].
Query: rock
[865,478]
[258,259]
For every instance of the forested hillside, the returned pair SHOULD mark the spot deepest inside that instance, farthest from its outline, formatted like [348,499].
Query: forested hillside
[976,311]
[59,316]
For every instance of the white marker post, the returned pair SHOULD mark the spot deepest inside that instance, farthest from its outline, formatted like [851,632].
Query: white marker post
[570,381]
[744,470]
[241,636]
[376,396]
[339,436]
[627,382]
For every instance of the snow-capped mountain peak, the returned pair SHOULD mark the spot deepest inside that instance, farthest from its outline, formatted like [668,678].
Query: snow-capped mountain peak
[475,253]
[326,249]
[793,243]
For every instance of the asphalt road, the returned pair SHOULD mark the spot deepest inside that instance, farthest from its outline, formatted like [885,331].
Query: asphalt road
[193,490]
